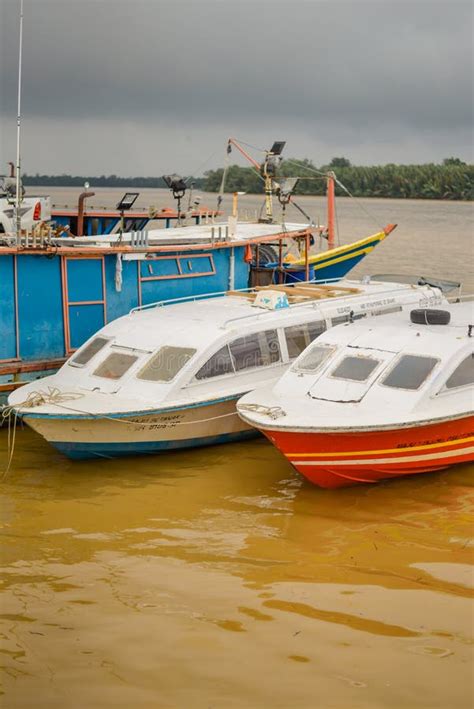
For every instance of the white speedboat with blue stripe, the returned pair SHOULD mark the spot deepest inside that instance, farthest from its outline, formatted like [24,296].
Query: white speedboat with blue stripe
[164,378]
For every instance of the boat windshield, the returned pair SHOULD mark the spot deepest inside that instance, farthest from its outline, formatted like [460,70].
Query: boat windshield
[115,365]
[463,374]
[86,353]
[165,364]
[313,358]
[410,372]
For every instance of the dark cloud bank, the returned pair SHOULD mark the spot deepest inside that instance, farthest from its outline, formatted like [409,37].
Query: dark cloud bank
[146,86]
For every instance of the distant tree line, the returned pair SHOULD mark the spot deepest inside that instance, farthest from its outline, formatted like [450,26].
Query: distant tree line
[453,179]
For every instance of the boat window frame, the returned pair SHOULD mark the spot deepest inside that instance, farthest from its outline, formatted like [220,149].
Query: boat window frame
[111,352]
[322,321]
[155,353]
[70,362]
[395,363]
[283,357]
[325,362]
[346,355]
[447,390]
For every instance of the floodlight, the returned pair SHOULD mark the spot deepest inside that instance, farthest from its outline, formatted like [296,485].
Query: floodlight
[271,165]
[127,201]
[176,183]
[277,147]
[286,188]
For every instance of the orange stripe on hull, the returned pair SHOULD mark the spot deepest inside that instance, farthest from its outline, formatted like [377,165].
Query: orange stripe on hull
[334,460]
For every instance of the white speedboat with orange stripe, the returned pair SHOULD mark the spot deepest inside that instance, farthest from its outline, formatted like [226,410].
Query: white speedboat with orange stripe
[377,399]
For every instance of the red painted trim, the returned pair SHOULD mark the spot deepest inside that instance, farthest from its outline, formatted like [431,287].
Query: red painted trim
[180,273]
[17,321]
[94,251]
[67,303]
[33,366]
[85,302]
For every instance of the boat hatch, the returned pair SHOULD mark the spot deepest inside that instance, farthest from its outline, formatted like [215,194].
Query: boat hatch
[350,375]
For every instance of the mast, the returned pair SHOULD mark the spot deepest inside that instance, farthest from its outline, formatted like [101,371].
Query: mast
[18,122]
[331,208]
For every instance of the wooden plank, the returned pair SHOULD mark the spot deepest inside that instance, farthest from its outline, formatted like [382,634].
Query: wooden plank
[35,366]
[249,296]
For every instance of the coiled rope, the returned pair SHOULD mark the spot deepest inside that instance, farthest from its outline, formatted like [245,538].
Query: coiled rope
[274,412]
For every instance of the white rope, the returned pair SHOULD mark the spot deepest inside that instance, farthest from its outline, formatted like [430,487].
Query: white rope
[274,412]
[56,397]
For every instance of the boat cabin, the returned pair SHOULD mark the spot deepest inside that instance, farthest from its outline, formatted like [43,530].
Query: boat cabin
[206,348]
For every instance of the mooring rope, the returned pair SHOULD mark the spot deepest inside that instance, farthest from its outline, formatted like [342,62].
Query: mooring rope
[274,412]
[57,397]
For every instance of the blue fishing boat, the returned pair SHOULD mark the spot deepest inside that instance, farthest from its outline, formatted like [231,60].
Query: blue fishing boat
[61,281]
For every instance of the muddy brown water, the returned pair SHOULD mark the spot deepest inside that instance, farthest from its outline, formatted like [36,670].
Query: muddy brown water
[219,579]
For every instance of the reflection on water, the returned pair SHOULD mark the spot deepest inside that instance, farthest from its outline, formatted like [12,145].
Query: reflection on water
[219,578]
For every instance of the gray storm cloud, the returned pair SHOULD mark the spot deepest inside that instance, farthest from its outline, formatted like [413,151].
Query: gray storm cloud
[360,78]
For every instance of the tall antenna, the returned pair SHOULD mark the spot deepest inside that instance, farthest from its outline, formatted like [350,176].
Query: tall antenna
[18,122]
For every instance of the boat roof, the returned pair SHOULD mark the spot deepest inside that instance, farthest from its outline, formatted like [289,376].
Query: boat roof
[204,326]
[194,320]
[200,233]
[395,332]
[315,400]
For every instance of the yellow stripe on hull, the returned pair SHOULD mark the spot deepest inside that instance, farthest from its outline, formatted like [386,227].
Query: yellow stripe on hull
[342,250]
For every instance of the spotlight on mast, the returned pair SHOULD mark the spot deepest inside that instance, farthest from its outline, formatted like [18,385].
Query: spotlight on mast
[178,187]
[268,170]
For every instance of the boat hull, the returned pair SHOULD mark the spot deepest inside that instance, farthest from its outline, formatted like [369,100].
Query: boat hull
[111,436]
[333,459]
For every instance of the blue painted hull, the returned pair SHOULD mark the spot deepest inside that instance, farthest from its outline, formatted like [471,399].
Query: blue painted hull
[88,451]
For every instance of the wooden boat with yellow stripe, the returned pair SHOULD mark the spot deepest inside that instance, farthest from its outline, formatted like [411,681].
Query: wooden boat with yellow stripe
[336,262]
[377,400]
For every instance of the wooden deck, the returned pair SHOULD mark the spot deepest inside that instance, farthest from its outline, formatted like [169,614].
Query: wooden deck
[298,293]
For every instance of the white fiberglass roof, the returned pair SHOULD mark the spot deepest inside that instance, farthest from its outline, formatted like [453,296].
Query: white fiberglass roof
[311,402]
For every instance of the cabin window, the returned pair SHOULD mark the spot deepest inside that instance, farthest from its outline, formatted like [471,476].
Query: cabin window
[260,349]
[357,369]
[463,374]
[298,337]
[339,319]
[410,372]
[219,364]
[115,365]
[311,360]
[257,350]
[86,353]
[387,311]
[165,364]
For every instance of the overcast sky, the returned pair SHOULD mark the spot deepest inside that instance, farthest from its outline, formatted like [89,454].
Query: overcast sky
[144,87]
